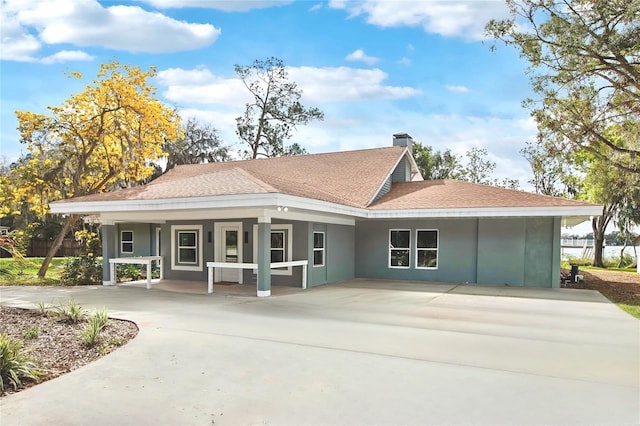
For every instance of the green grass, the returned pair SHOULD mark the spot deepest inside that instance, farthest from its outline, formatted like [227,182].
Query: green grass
[593,268]
[633,310]
[12,273]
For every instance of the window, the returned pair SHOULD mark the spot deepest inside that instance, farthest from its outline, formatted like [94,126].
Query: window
[281,246]
[126,242]
[186,247]
[318,249]
[427,249]
[399,248]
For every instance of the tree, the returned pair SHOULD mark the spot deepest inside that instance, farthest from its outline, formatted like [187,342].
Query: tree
[101,138]
[274,112]
[552,172]
[609,186]
[478,168]
[435,165]
[199,143]
[584,58]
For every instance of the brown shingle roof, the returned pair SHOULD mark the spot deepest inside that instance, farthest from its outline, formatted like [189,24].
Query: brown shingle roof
[446,194]
[350,178]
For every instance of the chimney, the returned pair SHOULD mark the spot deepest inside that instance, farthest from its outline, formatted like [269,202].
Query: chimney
[403,139]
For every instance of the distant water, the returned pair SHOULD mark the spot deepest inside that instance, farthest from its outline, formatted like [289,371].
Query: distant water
[609,252]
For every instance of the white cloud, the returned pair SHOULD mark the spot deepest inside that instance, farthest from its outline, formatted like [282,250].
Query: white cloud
[315,7]
[359,55]
[27,25]
[458,89]
[464,19]
[341,84]
[67,56]
[226,5]
[405,61]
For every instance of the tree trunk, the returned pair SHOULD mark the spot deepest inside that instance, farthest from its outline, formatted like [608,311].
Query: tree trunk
[622,253]
[598,226]
[69,223]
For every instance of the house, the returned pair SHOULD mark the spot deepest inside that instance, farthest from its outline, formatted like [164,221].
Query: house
[355,214]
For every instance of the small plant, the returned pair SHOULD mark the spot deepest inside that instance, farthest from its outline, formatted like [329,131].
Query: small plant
[89,335]
[43,308]
[101,317]
[15,364]
[31,332]
[71,312]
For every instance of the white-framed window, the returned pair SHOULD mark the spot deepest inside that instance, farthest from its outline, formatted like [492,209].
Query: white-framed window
[186,247]
[281,242]
[126,242]
[427,248]
[318,249]
[399,248]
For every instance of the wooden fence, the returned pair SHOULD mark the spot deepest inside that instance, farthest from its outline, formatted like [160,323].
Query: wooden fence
[39,248]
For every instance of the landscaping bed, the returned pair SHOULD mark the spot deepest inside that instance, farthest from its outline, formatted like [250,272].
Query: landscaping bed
[54,345]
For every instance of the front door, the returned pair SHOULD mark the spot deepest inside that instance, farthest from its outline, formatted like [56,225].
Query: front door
[228,250]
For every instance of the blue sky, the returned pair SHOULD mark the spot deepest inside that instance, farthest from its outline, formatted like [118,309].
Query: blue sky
[374,67]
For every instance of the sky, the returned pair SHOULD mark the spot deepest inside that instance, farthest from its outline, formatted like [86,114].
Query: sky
[373,67]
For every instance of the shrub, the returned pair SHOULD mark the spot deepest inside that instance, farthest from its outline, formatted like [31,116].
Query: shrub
[84,269]
[31,332]
[129,272]
[71,312]
[15,364]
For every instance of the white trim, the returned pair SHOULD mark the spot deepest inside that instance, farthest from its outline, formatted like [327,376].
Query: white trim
[133,247]
[437,249]
[217,237]
[289,248]
[178,267]
[264,293]
[264,205]
[399,248]
[323,249]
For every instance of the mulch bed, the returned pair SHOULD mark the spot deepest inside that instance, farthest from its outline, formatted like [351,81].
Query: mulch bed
[619,287]
[58,348]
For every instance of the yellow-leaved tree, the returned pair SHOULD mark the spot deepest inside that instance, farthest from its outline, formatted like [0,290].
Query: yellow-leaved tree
[105,137]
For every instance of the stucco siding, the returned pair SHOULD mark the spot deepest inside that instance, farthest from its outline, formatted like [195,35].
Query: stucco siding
[141,239]
[340,253]
[538,252]
[456,250]
[501,251]
[168,251]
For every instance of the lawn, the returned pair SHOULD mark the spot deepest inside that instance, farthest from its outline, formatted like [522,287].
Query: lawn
[25,272]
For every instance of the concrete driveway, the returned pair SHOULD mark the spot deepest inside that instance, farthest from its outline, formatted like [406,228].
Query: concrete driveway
[360,352]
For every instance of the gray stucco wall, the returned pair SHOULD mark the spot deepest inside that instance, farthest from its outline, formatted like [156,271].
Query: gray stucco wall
[141,239]
[518,251]
[166,252]
[339,254]
[456,253]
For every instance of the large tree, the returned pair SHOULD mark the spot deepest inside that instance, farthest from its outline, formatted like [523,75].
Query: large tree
[553,171]
[274,112]
[199,143]
[584,58]
[101,138]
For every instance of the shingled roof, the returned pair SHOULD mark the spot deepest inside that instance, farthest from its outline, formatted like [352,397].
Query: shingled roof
[452,194]
[350,178]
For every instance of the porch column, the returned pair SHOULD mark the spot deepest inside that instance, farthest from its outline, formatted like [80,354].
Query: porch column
[264,256]
[108,251]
